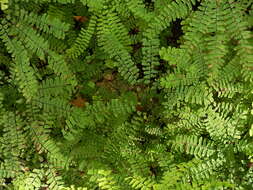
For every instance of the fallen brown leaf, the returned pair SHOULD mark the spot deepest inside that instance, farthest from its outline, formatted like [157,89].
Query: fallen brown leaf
[80,18]
[78,102]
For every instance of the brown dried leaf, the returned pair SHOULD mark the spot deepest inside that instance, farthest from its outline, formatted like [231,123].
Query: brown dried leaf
[80,18]
[78,102]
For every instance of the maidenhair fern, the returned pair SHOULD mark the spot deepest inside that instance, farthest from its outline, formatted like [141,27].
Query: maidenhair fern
[126,94]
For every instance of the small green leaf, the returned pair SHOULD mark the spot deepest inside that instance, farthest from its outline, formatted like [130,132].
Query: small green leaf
[91,84]
[251,131]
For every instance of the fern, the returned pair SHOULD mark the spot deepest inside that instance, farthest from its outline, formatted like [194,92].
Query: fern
[82,41]
[193,145]
[44,22]
[126,94]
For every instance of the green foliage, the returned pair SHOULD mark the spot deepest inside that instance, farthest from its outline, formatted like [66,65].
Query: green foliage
[126,94]
[82,41]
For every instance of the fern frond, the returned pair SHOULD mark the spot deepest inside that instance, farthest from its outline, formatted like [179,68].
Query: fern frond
[8,171]
[48,1]
[220,128]
[138,9]
[72,187]
[83,39]
[94,5]
[194,145]
[57,63]
[22,73]
[51,105]
[104,179]
[109,22]
[30,39]
[150,61]
[138,182]
[116,108]
[44,143]
[126,67]
[45,23]
[54,87]
[53,180]
[205,169]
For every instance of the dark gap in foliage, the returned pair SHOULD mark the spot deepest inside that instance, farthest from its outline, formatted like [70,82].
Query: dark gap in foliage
[42,64]
[77,25]
[1,13]
[149,4]
[136,47]
[176,33]
[134,31]
[164,67]
[4,68]
[149,1]
[43,9]
[154,169]
[141,73]
[249,8]
[206,136]
[195,7]
[162,124]
[44,77]
[154,100]
[80,22]
[8,180]
[90,51]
